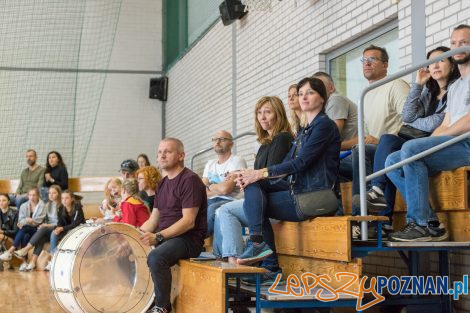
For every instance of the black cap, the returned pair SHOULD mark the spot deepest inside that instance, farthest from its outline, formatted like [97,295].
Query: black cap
[129,165]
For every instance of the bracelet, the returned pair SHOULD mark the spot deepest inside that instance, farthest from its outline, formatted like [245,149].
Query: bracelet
[208,187]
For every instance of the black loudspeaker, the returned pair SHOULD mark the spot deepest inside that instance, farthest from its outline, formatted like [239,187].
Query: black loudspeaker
[230,10]
[159,88]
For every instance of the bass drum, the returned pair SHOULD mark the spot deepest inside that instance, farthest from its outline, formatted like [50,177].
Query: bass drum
[102,268]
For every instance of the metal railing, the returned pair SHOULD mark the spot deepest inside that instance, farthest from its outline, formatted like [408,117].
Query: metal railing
[361,144]
[210,148]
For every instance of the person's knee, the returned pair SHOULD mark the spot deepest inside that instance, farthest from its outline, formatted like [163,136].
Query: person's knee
[156,260]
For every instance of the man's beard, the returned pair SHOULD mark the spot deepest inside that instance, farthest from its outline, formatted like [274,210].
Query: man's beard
[465,60]
[30,162]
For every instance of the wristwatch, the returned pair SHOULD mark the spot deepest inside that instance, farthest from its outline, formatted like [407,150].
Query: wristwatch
[160,238]
[265,173]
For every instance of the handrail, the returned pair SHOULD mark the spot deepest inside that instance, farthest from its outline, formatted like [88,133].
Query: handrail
[361,142]
[209,149]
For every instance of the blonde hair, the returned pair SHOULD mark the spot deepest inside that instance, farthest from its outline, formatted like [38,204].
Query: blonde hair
[59,191]
[130,186]
[281,123]
[152,176]
[116,181]
[295,122]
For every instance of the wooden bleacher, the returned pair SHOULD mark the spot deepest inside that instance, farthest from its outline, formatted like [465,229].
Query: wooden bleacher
[318,246]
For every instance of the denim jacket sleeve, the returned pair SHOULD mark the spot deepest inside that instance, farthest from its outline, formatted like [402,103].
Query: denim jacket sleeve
[313,142]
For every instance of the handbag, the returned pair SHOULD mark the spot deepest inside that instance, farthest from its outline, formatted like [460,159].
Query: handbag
[317,203]
[408,132]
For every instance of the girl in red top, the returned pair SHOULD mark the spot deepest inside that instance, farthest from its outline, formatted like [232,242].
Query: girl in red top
[133,210]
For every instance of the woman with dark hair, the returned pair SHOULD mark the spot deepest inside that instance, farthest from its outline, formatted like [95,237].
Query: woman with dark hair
[8,218]
[424,111]
[143,160]
[301,186]
[55,174]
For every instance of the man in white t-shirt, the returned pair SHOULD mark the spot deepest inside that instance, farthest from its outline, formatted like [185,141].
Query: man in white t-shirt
[218,178]
[412,179]
[382,110]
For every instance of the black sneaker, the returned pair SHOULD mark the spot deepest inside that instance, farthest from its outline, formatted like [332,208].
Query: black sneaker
[438,233]
[411,232]
[375,201]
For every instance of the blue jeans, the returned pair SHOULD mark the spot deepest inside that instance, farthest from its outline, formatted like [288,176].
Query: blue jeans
[269,201]
[228,238]
[18,200]
[350,166]
[387,145]
[162,258]
[44,192]
[412,179]
[212,205]
[54,240]
[24,235]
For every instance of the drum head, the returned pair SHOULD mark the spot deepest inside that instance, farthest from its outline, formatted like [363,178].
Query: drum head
[110,272]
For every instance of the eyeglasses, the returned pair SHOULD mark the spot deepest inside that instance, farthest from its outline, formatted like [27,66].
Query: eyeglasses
[370,60]
[221,139]
[308,92]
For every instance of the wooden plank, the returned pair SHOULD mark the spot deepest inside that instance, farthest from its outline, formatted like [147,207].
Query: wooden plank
[9,185]
[91,210]
[299,265]
[200,286]
[448,190]
[346,197]
[368,218]
[457,223]
[322,237]
[87,184]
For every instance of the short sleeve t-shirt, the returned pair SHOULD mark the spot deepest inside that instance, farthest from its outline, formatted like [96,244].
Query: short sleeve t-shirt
[186,190]
[341,108]
[458,99]
[216,173]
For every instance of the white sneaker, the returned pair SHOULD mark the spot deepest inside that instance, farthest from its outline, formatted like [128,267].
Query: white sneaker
[5,256]
[48,266]
[23,266]
[30,267]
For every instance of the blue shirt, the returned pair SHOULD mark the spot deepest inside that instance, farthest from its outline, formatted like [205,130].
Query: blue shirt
[313,160]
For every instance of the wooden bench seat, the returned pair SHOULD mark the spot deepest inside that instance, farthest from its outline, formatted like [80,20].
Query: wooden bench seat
[319,246]
[200,286]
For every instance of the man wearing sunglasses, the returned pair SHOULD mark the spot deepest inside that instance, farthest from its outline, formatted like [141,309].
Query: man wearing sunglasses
[220,185]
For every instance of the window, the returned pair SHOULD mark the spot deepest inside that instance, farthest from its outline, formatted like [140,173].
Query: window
[345,67]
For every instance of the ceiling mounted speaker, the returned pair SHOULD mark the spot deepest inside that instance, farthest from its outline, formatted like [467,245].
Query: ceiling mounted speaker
[159,88]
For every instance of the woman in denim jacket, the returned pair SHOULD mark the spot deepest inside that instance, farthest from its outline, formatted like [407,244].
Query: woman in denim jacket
[300,187]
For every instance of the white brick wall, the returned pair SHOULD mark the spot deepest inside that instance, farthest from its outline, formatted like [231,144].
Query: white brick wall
[275,49]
